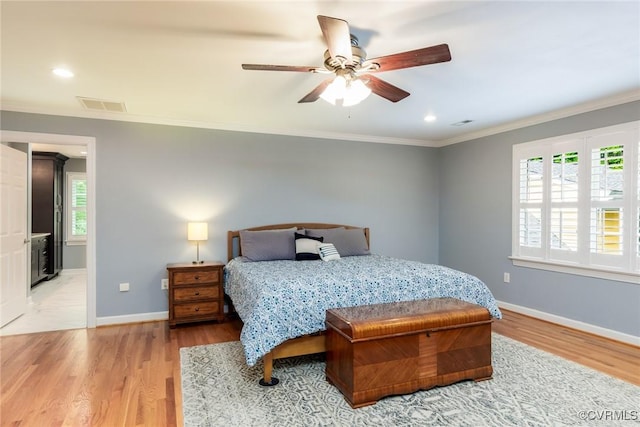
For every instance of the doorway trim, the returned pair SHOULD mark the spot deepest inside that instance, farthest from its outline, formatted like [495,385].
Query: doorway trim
[90,142]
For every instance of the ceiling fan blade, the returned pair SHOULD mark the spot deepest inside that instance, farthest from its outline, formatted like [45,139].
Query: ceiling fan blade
[413,58]
[337,36]
[265,67]
[384,89]
[315,93]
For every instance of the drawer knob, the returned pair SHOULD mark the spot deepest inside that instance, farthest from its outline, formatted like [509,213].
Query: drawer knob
[197,293]
[197,308]
[197,277]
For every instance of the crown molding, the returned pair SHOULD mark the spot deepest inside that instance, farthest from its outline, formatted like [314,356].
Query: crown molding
[618,99]
[133,118]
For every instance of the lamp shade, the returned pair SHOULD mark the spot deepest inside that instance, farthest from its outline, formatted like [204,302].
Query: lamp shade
[198,231]
[345,92]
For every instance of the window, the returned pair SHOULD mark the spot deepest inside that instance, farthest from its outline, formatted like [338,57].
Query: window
[76,208]
[576,203]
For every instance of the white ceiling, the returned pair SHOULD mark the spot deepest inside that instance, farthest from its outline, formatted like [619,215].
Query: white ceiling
[513,63]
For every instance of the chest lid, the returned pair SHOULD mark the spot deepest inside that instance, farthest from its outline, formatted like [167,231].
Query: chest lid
[405,317]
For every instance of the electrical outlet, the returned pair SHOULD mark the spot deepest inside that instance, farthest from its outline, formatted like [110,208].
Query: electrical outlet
[507,278]
[124,287]
[164,284]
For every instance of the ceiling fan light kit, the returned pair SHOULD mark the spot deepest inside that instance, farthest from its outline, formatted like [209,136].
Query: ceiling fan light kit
[346,91]
[353,82]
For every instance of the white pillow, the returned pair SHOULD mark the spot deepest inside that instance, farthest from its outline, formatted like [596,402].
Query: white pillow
[328,252]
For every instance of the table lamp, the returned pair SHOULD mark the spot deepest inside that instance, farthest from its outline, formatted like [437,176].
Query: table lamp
[198,232]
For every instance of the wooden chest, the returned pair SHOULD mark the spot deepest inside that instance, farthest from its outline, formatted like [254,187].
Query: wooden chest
[386,349]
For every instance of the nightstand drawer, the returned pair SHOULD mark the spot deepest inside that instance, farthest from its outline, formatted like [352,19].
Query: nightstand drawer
[197,309]
[193,277]
[196,293]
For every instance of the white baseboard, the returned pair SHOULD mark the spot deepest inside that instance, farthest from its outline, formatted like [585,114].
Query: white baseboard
[575,324]
[132,318]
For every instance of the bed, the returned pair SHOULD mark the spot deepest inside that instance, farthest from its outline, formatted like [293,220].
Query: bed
[282,301]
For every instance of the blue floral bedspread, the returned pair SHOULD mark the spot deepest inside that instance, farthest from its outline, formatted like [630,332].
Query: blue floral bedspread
[280,300]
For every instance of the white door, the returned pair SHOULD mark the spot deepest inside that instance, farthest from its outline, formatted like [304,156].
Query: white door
[13,234]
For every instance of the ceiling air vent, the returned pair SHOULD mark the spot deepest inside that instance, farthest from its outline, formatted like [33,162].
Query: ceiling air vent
[102,105]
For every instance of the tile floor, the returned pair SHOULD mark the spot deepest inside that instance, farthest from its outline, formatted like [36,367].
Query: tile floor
[56,304]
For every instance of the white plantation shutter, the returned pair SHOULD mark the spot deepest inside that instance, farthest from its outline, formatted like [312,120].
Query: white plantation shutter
[530,212]
[530,203]
[564,229]
[531,227]
[564,171]
[607,199]
[573,198]
[76,207]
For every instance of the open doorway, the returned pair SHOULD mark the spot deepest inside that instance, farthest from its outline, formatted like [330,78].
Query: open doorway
[63,298]
[57,288]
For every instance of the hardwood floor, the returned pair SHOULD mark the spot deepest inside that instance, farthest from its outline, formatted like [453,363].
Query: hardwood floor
[129,375]
[611,357]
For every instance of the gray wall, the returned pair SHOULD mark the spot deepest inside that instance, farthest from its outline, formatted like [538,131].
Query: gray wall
[450,205]
[74,256]
[475,228]
[152,179]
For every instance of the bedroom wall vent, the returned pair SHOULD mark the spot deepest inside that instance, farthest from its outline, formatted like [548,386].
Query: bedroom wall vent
[93,104]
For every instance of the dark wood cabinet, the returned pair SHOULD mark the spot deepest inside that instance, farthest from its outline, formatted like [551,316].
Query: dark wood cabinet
[39,258]
[47,191]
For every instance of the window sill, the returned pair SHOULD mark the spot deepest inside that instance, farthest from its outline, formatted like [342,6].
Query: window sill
[600,273]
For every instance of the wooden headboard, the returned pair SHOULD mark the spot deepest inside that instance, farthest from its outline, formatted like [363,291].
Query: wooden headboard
[233,236]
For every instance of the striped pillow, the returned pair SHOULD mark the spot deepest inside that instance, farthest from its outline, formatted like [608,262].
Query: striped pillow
[328,252]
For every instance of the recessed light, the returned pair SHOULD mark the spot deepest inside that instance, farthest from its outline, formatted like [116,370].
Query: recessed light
[62,72]
[430,118]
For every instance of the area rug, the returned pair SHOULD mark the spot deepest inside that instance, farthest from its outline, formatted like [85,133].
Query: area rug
[529,388]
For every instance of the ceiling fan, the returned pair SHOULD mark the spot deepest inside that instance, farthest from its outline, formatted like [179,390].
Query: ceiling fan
[353,80]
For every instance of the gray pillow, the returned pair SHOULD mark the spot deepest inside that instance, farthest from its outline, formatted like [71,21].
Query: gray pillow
[268,245]
[348,242]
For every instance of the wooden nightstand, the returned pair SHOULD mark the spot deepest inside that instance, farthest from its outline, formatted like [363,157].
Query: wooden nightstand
[196,292]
